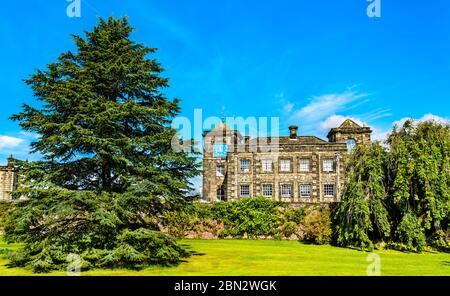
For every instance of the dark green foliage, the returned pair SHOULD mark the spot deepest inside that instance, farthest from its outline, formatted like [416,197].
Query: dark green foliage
[419,168]
[440,240]
[410,234]
[137,249]
[250,216]
[294,214]
[362,217]
[98,226]
[108,167]
[402,192]
[5,209]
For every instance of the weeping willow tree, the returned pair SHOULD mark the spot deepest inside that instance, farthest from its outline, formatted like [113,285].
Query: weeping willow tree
[401,192]
[108,167]
[362,218]
[419,189]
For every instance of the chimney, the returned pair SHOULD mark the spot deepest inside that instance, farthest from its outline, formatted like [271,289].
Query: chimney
[293,131]
[246,143]
[246,140]
[10,162]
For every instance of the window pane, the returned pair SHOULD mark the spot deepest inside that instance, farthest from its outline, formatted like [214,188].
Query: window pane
[266,165]
[220,193]
[351,144]
[267,189]
[328,165]
[305,190]
[285,165]
[286,190]
[304,165]
[220,171]
[328,190]
[245,165]
[245,190]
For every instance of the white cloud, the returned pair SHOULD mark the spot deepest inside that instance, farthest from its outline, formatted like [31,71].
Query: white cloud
[7,142]
[381,135]
[323,106]
[287,108]
[425,117]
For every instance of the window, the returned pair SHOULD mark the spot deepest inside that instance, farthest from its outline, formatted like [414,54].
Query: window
[220,170]
[267,190]
[305,190]
[304,165]
[285,165]
[245,165]
[266,165]
[244,191]
[328,165]
[351,145]
[328,190]
[286,190]
[220,150]
[220,193]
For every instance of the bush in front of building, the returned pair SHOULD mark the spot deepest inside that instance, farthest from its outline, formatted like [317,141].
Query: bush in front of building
[248,217]
[256,217]
[194,220]
[317,225]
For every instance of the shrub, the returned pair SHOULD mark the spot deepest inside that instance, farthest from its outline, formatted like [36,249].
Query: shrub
[248,216]
[288,229]
[295,215]
[317,225]
[290,219]
[410,234]
[193,221]
[178,223]
[440,240]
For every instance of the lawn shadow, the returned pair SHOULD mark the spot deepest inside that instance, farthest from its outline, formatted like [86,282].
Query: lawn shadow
[446,263]
[190,251]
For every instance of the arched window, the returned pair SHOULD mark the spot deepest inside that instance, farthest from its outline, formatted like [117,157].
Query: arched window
[351,143]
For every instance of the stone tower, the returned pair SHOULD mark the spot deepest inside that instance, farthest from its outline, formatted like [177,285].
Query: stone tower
[218,144]
[351,133]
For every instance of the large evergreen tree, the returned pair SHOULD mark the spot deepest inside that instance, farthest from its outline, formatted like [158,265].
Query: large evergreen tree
[108,166]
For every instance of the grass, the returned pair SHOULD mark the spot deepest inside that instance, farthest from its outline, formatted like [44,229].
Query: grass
[271,257]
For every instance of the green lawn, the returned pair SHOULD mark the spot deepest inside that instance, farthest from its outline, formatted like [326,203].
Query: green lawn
[271,257]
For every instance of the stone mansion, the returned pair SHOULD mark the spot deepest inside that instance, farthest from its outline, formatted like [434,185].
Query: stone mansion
[299,169]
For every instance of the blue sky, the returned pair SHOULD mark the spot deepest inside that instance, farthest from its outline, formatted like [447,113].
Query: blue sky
[312,63]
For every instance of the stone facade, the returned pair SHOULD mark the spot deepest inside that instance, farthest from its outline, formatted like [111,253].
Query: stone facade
[291,169]
[8,180]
